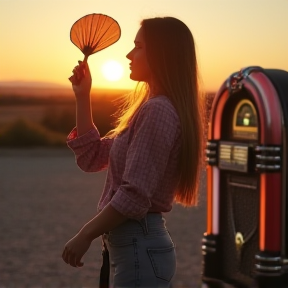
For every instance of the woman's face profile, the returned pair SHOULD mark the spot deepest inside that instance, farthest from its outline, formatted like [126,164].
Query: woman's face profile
[140,70]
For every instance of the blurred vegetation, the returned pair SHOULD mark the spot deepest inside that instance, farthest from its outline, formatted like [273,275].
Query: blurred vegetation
[23,133]
[63,119]
[58,119]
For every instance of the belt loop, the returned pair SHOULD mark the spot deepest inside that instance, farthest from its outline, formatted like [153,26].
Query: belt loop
[144,225]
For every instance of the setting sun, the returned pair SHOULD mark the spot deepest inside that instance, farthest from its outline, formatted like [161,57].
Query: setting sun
[112,70]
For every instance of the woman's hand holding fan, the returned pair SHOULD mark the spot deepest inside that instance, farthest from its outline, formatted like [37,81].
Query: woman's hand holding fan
[81,79]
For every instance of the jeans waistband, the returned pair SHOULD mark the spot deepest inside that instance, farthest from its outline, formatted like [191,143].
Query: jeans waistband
[151,223]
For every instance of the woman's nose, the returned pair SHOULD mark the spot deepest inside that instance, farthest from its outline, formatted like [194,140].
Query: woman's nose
[129,55]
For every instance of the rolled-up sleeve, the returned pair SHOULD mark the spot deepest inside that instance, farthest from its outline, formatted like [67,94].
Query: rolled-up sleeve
[155,130]
[91,151]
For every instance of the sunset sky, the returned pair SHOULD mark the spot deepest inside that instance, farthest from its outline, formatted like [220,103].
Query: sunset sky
[229,34]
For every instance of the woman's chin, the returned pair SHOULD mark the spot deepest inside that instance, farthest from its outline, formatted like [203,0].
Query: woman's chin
[135,78]
[132,77]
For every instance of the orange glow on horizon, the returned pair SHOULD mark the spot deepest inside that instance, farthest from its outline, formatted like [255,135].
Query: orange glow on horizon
[44,52]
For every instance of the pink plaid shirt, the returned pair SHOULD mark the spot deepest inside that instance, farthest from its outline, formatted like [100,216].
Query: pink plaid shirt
[142,161]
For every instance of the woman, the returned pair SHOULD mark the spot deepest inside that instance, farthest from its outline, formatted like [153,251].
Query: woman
[153,156]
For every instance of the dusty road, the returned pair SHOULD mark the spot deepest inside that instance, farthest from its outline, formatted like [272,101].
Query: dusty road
[45,198]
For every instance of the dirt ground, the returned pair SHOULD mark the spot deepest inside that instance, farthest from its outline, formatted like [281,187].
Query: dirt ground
[45,198]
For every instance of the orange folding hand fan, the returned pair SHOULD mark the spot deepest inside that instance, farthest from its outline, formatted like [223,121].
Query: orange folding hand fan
[93,33]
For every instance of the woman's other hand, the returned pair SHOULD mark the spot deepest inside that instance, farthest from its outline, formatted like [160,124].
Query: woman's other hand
[81,79]
[74,250]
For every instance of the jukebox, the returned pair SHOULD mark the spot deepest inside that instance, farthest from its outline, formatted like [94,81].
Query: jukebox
[246,240]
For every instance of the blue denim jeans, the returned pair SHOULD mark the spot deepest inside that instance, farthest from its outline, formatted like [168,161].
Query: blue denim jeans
[141,253]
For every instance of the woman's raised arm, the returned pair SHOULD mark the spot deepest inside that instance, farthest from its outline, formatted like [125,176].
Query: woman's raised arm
[81,83]
[91,151]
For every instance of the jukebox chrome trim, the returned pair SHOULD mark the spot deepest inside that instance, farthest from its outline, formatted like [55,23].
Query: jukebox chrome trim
[262,268]
[235,81]
[209,244]
[268,259]
[268,158]
[212,152]
[208,249]
[268,264]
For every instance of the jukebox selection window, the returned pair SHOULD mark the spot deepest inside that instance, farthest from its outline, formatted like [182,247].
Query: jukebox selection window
[245,122]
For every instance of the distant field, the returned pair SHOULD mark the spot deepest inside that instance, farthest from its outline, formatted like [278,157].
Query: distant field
[35,103]
[42,91]
[57,106]
[11,113]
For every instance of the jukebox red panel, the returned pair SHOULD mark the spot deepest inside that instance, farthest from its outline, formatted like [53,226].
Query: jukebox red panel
[245,244]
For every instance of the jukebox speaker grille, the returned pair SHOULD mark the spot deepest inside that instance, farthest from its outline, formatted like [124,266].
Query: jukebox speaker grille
[239,218]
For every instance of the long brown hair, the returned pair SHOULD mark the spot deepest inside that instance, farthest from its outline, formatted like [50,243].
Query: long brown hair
[171,56]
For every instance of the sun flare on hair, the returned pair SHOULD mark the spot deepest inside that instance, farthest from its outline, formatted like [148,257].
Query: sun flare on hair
[112,70]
